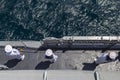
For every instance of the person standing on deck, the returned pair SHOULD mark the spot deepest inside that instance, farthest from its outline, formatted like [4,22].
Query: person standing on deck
[106,57]
[50,55]
[14,53]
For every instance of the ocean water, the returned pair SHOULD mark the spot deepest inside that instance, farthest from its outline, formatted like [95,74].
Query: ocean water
[37,19]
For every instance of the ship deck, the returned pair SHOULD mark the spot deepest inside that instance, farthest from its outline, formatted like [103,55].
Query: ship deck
[67,60]
[72,64]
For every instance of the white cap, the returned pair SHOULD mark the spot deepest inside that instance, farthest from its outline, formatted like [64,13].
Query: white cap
[8,48]
[113,55]
[49,52]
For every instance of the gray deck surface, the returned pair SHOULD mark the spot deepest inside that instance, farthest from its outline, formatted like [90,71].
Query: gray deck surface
[67,60]
[71,64]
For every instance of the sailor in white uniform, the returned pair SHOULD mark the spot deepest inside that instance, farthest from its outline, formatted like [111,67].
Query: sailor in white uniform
[13,53]
[106,57]
[50,55]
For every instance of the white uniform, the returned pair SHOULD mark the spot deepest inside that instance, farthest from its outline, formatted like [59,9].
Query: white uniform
[13,53]
[102,58]
[54,58]
[50,55]
[106,57]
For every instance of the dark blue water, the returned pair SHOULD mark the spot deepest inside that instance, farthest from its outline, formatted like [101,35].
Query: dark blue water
[36,19]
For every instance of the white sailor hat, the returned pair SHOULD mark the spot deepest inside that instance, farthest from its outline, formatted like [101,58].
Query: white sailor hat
[8,48]
[49,52]
[113,55]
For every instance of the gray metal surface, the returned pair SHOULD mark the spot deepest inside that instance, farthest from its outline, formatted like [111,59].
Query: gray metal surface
[70,75]
[109,75]
[21,75]
[27,44]
[57,75]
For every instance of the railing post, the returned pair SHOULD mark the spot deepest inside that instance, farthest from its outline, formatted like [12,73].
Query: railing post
[96,76]
[45,75]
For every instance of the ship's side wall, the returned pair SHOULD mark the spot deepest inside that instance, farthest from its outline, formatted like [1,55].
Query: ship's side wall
[58,75]
[70,42]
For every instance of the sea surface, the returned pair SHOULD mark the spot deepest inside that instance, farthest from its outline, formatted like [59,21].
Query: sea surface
[37,19]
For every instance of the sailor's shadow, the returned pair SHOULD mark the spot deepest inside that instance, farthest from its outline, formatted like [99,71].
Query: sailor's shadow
[118,56]
[43,65]
[12,63]
[89,66]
